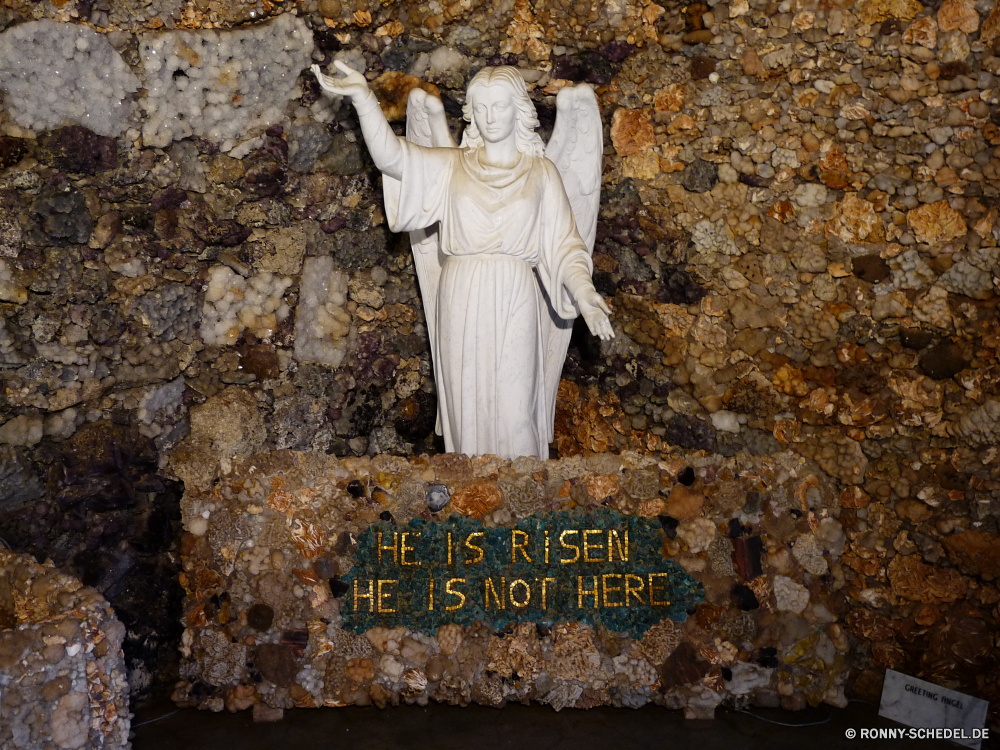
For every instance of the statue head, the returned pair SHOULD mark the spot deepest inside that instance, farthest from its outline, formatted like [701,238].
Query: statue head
[494,96]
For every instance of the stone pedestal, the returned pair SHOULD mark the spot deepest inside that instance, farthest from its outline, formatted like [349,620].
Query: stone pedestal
[600,580]
[62,673]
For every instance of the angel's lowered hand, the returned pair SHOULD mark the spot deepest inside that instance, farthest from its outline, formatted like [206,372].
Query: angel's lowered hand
[352,85]
[596,311]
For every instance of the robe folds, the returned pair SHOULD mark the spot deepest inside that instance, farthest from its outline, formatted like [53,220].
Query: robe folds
[502,231]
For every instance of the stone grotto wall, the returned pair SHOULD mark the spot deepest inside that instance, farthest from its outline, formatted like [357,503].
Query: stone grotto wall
[798,236]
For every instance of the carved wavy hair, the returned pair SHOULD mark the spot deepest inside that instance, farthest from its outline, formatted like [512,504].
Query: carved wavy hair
[526,119]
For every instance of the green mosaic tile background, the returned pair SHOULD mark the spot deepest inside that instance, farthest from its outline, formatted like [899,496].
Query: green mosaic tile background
[409,599]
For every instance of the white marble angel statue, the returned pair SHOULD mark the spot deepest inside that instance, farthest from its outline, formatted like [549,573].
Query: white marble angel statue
[502,230]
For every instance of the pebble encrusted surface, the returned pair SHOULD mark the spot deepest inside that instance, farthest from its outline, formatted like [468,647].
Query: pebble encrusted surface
[798,237]
[62,674]
[278,551]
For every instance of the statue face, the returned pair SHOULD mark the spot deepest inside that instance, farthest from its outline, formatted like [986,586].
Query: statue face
[495,113]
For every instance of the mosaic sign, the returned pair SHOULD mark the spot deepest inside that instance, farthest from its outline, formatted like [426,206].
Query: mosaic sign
[597,567]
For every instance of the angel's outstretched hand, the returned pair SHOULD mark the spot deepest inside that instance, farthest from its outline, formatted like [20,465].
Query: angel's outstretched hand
[596,311]
[352,85]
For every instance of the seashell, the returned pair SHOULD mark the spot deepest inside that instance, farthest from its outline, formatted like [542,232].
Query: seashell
[438,496]
[415,680]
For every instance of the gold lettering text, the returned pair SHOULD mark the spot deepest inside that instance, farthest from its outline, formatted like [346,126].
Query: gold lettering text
[527,593]
[488,586]
[394,547]
[449,548]
[449,590]
[386,595]
[622,553]
[605,589]
[479,550]
[403,549]
[370,596]
[587,546]
[582,592]
[636,591]
[546,548]
[518,541]
[430,596]
[652,591]
[566,545]
[545,582]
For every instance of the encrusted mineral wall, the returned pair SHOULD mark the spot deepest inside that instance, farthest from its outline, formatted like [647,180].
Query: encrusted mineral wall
[797,235]
[62,674]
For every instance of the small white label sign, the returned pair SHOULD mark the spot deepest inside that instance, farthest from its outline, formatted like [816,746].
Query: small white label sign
[922,704]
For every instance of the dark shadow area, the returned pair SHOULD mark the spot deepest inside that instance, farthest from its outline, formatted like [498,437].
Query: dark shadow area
[444,727]
[107,516]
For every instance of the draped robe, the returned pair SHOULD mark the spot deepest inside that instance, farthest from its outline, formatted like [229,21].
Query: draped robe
[502,232]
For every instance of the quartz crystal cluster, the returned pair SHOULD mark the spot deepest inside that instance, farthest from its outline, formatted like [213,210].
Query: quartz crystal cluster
[221,85]
[55,74]
[322,323]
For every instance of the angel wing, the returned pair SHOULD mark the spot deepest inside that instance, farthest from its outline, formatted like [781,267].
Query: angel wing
[576,148]
[426,126]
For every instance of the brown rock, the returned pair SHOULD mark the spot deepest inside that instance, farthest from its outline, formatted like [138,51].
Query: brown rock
[935,223]
[277,664]
[747,553]
[684,667]
[888,654]
[991,26]
[834,171]
[476,500]
[330,8]
[913,579]
[240,698]
[261,361]
[873,11]
[868,686]
[913,511]
[360,670]
[702,67]
[871,268]
[263,714]
[976,553]
[670,98]
[958,15]
[436,667]
[392,89]
[752,65]
[631,131]
[684,503]
[855,220]
[382,696]
[701,36]
[854,497]
[260,616]
[56,688]
[642,166]
[868,625]
[922,31]
[927,615]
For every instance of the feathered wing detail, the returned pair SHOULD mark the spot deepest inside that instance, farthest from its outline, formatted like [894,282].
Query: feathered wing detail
[426,126]
[576,148]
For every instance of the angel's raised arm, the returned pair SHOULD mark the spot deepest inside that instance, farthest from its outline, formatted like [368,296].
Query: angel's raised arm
[383,144]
